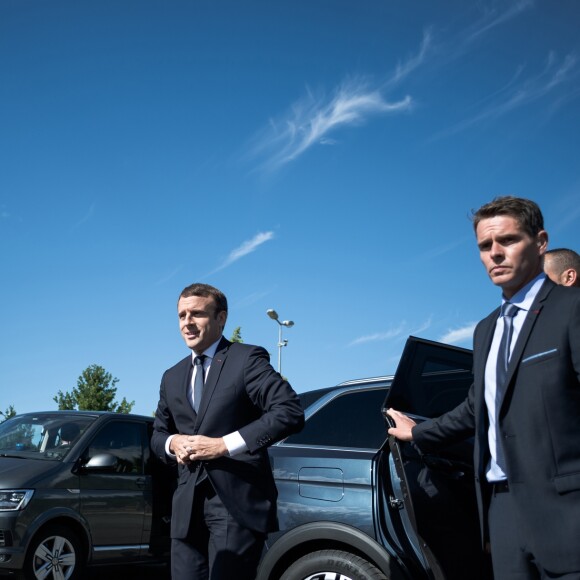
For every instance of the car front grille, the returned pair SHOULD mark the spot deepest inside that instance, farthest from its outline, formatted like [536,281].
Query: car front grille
[5,538]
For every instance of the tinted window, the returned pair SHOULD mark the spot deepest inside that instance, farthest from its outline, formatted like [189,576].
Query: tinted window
[350,420]
[432,378]
[309,397]
[123,440]
[42,435]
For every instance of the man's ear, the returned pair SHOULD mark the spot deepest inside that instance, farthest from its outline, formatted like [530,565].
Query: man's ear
[542,241]
[569,277]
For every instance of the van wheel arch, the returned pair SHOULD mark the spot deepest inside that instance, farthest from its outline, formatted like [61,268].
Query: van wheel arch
[326,536]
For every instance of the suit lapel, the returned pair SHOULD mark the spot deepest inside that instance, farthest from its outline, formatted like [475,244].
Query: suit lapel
[185,386]
[212,377]
[481,353]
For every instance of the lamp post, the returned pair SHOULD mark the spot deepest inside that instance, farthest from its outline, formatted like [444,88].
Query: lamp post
[288,323]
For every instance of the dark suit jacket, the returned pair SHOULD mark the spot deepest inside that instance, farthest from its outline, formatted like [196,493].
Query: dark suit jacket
[540,422]
[242,393]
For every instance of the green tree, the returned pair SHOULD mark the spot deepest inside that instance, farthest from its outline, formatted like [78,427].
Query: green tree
[95,391]
[237,334]
[10,412]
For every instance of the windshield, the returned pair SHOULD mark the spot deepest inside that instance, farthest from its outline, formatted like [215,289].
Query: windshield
[43,435]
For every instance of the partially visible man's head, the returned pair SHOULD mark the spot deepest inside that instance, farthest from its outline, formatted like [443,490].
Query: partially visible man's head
[511,240]
[207,291]
[202,311]
[525,211]
[562,266]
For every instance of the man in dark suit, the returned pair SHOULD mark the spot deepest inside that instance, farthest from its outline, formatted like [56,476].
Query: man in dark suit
[219,409]
[524,406]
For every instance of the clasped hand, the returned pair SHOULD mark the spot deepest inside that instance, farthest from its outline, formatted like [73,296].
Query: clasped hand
[188,448]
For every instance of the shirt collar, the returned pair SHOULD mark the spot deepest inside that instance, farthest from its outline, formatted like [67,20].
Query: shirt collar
[525,297]
[209,352]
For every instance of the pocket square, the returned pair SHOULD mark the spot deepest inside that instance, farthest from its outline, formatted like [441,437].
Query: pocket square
[540,355]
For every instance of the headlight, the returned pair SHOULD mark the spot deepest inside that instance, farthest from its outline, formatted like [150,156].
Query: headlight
[12,500]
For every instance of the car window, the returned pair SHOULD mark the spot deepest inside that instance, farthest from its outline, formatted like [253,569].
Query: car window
[123,440]
[352,419]
[42,435]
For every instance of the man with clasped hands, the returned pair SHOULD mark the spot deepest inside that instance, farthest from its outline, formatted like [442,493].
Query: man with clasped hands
[524,406]
[219,409]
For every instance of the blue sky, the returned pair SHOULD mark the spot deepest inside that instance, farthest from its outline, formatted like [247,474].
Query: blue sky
[320,158]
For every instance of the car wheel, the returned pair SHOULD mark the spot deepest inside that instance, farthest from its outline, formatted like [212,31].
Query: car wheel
[55,554]
[332,565]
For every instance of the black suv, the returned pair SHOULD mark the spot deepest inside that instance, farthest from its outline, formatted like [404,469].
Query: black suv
[355,504]
[78,488]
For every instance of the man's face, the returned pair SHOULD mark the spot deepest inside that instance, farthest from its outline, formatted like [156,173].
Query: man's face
[511,257]
[198,322]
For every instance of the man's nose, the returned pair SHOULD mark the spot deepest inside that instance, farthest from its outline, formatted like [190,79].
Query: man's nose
[496,250]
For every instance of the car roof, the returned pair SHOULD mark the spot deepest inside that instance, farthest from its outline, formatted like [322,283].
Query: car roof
[308,398]
[74,412]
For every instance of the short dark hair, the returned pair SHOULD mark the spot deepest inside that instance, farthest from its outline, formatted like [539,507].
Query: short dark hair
[205,290]
[525,211]
[563,259]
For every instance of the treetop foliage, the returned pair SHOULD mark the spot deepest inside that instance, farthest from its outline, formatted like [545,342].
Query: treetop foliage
[95,391]
[8,413]
[237,334]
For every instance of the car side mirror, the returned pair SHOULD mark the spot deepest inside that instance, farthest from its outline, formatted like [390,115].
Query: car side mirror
[101,462]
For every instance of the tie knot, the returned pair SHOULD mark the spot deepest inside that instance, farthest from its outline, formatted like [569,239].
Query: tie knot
[198,360]
[509,309]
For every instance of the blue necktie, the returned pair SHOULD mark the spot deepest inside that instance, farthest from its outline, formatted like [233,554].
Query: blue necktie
[198,382]
[503,357]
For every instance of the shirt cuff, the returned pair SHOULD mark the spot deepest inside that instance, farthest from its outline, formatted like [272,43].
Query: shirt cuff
[235,443]
[167,444]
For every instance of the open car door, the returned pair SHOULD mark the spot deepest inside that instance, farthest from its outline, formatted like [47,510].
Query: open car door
[430,498]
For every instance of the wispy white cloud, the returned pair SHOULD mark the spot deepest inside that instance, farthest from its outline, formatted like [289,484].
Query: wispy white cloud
[406,67]
[244,249]
[379,336]
[252,299]
[459,335]
[495,14]
[421,328]
[169,276]
[520,92]
[444,249]
[313,118]
[402,331]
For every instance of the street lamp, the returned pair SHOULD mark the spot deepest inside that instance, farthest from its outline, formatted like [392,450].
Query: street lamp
[288,323]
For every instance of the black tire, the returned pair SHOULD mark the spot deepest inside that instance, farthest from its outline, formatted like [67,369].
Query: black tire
[332,565]
[54,554]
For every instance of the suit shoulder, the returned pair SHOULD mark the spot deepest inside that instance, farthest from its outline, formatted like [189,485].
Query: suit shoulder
[564,294]
[490,318]
[563,304]
[245,349]
[180,366]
